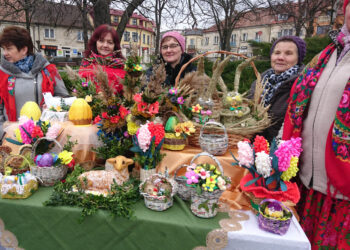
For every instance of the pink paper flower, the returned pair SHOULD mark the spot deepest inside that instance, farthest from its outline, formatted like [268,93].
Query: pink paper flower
[85,84]
[286,151]
[53,131]
[153,108]
[180,100]
[138,97]
[245,154]
[144,137]
[173,91]
[27,126]
[192,177]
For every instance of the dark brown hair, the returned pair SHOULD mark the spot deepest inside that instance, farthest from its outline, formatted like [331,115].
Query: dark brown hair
[100,32]
[17,36]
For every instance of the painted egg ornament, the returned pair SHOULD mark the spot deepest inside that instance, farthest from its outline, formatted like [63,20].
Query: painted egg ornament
[80,112]
[46,160]
[31,110]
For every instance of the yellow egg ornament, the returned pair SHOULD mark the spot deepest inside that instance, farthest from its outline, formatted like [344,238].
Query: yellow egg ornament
[31,110]
[80,112]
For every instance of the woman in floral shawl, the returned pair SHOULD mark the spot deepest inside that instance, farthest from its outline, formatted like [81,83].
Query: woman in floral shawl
[319,112]
[104,50]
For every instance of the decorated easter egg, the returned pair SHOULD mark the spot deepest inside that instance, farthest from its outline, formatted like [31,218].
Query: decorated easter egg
[80,112]
[171,123]
[46,160]
[31,110]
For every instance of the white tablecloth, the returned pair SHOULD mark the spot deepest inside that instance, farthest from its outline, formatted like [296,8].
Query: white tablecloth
[251,237]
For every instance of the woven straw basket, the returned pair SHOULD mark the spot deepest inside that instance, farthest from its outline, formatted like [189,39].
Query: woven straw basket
[18,164]
[274,225]
[235,131]
[210,199]
[171,141]
[215,144]
[158,203]
[48,176]
[183,191]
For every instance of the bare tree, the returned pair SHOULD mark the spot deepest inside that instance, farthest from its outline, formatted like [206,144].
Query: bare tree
[17,8]
[225,14]
[101,12]
[302,12]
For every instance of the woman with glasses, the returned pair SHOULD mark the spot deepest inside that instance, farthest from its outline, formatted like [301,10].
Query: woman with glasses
[104,50]
[172,50]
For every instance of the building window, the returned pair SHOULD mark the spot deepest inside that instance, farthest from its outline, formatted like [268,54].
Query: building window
[126,36]
[116,19]
[282,17]
[80,36]
[258,36]
[192,41]
[134,21]
[233,40]
[285,32]
[216,40]
[148,39]
[144,39]
[206,41]
[135,37]
[245,37]
[50,33]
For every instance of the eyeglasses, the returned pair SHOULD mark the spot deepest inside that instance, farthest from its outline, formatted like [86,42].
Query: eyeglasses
[171,46]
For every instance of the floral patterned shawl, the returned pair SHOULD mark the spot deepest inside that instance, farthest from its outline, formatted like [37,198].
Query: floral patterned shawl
[337,155]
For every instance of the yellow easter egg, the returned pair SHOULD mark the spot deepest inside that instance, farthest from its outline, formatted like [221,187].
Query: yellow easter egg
[80,112]
[31,110]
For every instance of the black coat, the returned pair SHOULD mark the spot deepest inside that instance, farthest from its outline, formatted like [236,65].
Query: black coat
[278,105]
[171,73]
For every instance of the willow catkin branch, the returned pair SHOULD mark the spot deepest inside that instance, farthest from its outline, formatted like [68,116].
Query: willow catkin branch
[72,75]
[102,80]
[238,73]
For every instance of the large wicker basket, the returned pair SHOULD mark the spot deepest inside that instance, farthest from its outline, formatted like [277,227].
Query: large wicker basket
[48,176]
[235,131]
[208,199]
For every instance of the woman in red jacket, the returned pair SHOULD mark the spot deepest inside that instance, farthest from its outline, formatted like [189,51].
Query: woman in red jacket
[104,50]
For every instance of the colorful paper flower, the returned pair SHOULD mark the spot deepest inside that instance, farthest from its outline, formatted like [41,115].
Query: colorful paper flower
[37,132]
[245,154]
[173,91]
[123,111]
[144,137]
[263,164]
[196,109]
[178,129]
[18,135]
[85,84]
[115,119]
[53,131]
[88,98]
[261,144]
[292,170]
[153,108]
[221,183]
[25,128]
[132,128]
[157,131]
[192,177]
[180,100]
[141,107]
[65,157]
[97,119]
[137,97]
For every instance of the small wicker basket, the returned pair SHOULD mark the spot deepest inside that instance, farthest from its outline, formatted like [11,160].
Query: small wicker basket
[171,141]
[183,190]
[205,205]
[274,225]
[154,202]
[48,176]
[215,144]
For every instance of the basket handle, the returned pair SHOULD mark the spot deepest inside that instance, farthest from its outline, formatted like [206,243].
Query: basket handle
[177,170]
[44,138]
[10,157]
[212,123]
[211,156]
[208,53]
[272,200]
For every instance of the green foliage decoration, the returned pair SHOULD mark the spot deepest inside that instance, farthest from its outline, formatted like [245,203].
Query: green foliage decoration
[119,203]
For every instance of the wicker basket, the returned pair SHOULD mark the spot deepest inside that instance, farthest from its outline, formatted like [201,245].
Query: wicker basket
[183,191]
[274,225]
[48,176]
[235,131]
[215,144]
[205,205]
[158,203]
[171,141]
[19,186]
[14,164]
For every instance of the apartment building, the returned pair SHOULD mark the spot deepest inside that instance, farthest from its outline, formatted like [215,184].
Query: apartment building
[139,30]
[262,26]
[56,31]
